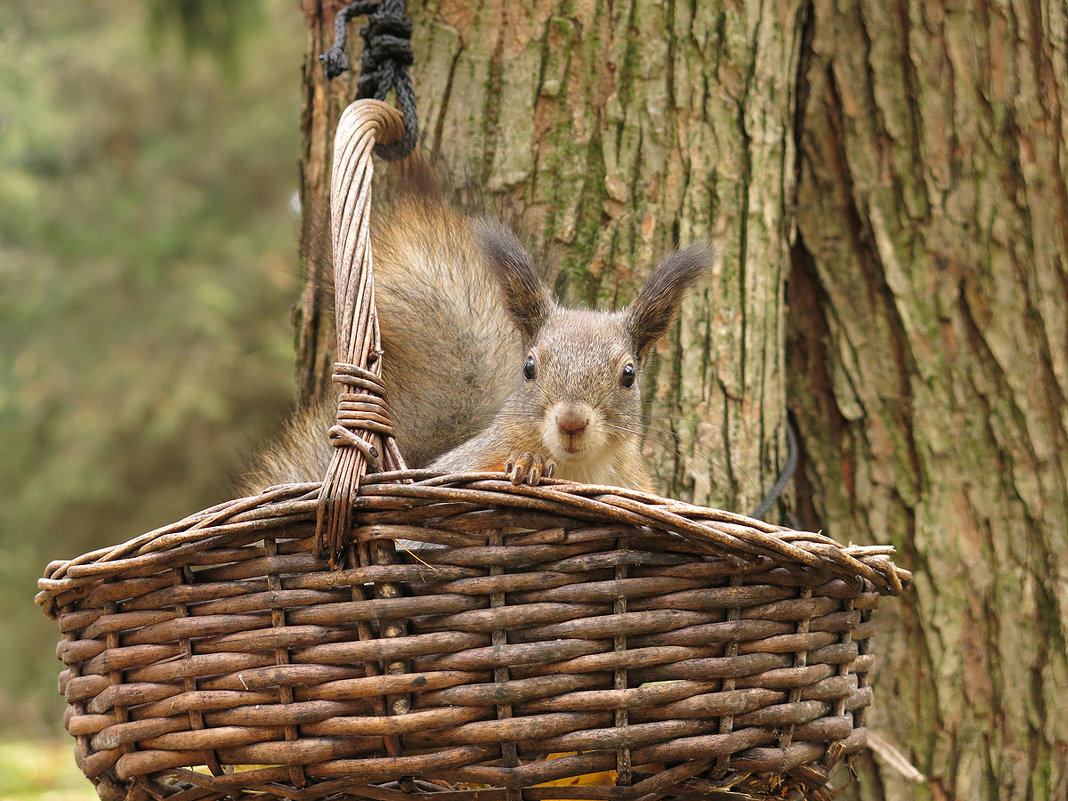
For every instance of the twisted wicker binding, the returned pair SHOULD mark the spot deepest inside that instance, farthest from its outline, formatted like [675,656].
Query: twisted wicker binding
[363,431]
[624,645]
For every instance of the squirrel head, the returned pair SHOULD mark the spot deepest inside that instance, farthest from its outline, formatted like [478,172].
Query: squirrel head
[578,394]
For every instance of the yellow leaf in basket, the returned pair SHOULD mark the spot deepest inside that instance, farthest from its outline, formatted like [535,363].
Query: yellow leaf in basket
[604,778]
[237,768]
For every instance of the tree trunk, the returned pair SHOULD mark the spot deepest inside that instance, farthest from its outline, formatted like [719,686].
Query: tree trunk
[613,133]
[923,150]
[321,107]
[929,368]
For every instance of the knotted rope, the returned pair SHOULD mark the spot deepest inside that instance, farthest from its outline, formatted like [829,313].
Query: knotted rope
[387,54]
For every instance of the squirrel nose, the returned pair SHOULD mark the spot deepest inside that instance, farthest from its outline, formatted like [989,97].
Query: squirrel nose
[572,422]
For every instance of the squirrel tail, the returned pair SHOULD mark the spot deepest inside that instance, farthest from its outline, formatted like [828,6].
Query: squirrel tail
[450,351]
[449,348]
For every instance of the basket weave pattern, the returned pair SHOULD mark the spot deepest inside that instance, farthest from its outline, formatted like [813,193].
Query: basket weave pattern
[672,644]
[624,645]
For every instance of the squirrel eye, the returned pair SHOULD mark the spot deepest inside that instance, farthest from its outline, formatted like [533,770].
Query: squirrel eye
[627,379]
[530,369]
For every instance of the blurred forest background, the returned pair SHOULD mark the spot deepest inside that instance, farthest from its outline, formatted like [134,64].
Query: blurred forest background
[148,264]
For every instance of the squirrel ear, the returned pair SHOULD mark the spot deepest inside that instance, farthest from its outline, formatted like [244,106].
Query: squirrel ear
[527,299]
[656,306]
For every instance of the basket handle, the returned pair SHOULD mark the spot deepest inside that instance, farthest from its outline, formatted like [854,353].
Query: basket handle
[363,433]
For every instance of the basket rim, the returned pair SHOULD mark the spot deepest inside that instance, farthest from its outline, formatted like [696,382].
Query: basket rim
[108,603]
[713,532]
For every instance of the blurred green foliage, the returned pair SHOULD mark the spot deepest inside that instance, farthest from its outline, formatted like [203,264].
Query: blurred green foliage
[42,771]
[147,270]
[203,25]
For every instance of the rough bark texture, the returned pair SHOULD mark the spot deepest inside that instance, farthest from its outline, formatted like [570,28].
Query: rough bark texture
[929,368]
[927,295]
[615,132]
[321,107]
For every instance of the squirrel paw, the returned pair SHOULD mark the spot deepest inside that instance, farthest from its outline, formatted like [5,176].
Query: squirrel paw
[529,468]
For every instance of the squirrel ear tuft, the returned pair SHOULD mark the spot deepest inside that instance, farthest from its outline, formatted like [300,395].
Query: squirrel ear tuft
[525,295]
[656,306]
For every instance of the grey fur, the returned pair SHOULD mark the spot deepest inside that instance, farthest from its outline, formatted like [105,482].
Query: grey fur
[449,348]
[526,298]
[656,306]
[461,307]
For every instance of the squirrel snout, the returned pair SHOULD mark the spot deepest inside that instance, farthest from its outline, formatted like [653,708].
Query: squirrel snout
[572,421]
[570,431]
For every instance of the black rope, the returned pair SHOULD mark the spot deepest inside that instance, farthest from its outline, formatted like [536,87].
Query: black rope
[784,477]
[387,54]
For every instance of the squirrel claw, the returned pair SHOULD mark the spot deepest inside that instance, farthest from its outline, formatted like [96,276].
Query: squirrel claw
[529,468]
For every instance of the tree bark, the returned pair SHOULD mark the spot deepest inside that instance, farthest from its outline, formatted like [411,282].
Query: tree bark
[922,149]
[929,368]
[614,132]
[321,105]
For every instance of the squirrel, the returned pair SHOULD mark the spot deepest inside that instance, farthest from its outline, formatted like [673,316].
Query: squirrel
[484,370]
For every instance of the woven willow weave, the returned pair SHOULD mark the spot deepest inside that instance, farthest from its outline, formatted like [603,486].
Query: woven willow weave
[612,643]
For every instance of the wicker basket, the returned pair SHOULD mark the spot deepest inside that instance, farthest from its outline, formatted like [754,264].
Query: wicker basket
[565,642]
